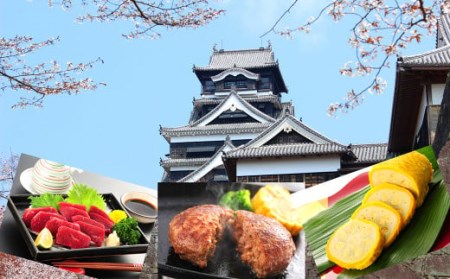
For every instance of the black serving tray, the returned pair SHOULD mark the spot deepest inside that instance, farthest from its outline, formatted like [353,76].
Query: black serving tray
[176,197]
[17,205]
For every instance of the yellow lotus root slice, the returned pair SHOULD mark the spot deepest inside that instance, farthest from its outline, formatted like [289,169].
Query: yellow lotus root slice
[355,245]
[399,198]
[412,171]
[275,202]
[385,216]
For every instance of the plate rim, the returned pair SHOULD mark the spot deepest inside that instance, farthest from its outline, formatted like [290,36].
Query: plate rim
[25,181]
[49,255]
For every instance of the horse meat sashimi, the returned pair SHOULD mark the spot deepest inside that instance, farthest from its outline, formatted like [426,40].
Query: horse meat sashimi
[39,220]
[68,211]
[29,213]
[106,222]
[89,221]
[55,223]
[79,206]
[72,238]
[96,234]
[98,211]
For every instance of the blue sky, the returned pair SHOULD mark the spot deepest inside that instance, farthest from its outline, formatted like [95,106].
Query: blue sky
[114,131]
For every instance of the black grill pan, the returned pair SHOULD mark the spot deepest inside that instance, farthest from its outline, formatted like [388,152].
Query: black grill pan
[176,197]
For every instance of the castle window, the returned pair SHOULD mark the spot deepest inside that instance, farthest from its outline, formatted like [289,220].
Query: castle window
[241,84]
[228,84]
[264,83]
[210,86]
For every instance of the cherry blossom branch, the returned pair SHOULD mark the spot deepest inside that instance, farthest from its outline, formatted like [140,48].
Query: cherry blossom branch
[8,167]
[379,31]
[288,10]
[43,79]
[147,15]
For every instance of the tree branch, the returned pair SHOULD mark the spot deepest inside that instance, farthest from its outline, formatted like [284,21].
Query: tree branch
[143,15]
[279,19]
[23,84]
[422,9]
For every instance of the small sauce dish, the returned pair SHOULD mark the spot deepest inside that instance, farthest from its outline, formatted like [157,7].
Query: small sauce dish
[142,206]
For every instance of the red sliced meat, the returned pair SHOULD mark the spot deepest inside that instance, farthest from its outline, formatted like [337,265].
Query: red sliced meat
[88,220]
[98,211]
[72,238]
[54,223]
[106,222]
[78,206]
[69,211]
[29,213]
[39,220]
[97,234]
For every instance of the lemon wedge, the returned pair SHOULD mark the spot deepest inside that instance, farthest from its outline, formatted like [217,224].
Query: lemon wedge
[44,240]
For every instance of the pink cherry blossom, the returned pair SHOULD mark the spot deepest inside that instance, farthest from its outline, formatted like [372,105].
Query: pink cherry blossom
[380,29]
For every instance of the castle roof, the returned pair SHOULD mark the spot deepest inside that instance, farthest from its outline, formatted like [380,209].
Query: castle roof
[248,59]
[315,143]
[412,71]
[202,125]
[216,129]
[286,150]
[370,153]
[438,57]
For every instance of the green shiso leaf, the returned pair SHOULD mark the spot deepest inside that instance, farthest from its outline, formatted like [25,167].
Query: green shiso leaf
[83,194]
[46,199]
[416,239]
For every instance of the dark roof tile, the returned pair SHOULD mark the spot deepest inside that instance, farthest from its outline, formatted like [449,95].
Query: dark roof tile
[216,129]
[435,57]
[286,150]
[370,153]
[249,58]
[168,163]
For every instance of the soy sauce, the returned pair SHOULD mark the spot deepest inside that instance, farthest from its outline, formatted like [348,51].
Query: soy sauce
[141,207]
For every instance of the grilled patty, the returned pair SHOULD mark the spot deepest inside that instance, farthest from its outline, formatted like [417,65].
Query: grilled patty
[263,243]
[195,232]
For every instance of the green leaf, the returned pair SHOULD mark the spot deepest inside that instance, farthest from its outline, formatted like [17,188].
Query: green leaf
[83,194]
[46,199]
[319,228]
[429,153]
[416,239]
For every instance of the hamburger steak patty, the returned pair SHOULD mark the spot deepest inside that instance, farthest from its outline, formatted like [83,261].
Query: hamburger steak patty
[263,243]
[195,232]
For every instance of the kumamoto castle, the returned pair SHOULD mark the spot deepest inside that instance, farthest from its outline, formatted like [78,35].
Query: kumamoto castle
[240,129]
